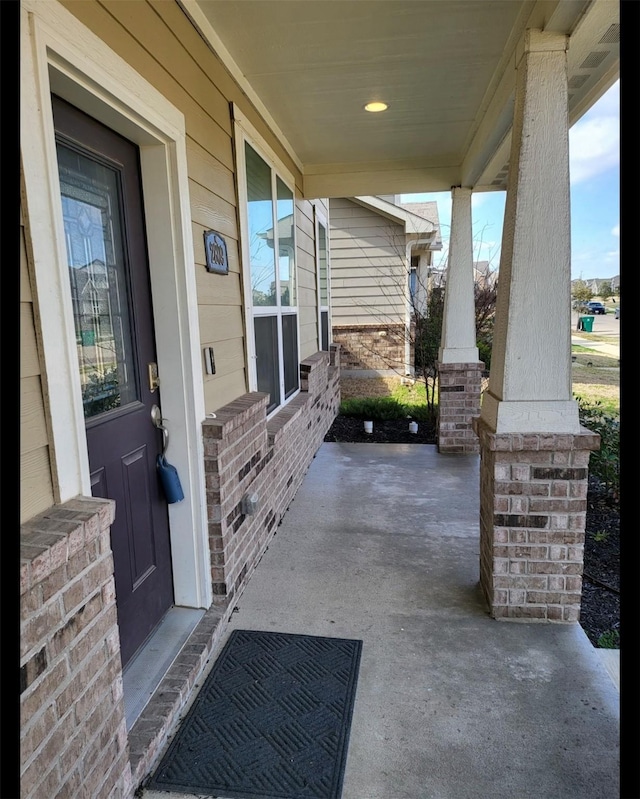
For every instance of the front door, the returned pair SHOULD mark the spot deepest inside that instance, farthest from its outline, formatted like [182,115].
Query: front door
[110,291]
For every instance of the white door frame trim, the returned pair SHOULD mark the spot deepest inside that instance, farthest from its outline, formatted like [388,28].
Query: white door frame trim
[59,54]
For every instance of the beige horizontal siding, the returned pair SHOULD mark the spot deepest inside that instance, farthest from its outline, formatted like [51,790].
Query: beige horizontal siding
[224,389]
[36,484]
[212,212]
[307,296]
[36,492]
[215,289]
[207,171]
[368,266]
[229,359]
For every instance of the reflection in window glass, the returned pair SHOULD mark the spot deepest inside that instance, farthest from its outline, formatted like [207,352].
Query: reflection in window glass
[266,336]
[90,206]
[322,247]
[286,244]
[260,217]
[272,262]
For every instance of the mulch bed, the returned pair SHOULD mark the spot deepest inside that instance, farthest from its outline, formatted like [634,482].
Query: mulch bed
[600,613]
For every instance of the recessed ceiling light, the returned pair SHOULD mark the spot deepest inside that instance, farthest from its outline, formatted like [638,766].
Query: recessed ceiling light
[375,107]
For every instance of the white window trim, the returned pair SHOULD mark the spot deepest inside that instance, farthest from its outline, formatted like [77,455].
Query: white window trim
[321,219]
[244,131]
[60,54]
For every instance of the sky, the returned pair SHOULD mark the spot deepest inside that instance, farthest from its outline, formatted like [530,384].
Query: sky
[594,164]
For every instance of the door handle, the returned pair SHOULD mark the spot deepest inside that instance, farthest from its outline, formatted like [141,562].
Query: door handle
[158,421]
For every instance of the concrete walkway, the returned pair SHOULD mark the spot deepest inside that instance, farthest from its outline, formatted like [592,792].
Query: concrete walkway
[381,544]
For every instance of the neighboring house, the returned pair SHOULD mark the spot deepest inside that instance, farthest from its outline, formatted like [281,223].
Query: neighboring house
[483,274]
[381,257]
[174,295]
[595,284]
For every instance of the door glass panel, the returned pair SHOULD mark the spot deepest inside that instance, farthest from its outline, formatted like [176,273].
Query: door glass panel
[99,289]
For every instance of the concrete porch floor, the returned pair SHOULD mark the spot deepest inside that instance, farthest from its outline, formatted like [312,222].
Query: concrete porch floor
[381,544]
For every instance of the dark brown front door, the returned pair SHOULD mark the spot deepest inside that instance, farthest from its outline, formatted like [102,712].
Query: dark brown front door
[110,291]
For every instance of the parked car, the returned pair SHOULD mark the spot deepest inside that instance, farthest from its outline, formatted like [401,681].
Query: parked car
[616,313]
[596,308]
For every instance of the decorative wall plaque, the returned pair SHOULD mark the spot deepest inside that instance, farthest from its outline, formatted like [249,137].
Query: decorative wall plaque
[215,248]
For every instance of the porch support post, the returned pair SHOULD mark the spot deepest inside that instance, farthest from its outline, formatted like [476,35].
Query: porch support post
[534,453]
[459,370]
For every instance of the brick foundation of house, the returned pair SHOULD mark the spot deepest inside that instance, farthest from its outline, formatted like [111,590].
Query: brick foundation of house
[73,736]
[459,390]
[533,501]
[248,456]
[375,348]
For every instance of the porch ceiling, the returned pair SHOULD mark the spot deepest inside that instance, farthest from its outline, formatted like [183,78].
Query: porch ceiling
[444,67]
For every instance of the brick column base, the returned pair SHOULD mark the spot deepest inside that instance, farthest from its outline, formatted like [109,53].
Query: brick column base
[533,501]
[459,388]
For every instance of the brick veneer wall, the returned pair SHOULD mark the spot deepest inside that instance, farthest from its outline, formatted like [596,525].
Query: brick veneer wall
[73,736]
[459,390]
[533,501]
[246,454]
[371,347]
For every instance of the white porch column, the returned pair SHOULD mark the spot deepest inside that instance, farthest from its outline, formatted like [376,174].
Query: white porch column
[458,342]
[459,370]
[530,382]
[533,453]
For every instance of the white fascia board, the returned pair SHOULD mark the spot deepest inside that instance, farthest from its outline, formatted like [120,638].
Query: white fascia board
[413,223]
[383,207]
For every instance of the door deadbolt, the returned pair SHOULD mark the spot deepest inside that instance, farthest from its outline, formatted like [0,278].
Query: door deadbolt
[154,380]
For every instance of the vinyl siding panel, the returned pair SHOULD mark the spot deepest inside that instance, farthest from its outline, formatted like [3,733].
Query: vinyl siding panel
[36,484]
[36,492]
[307,309]
[368,266]
[207,171]
[223,390]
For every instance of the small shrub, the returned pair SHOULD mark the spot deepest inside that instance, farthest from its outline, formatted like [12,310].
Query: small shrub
[604,463]
[609,640]
[383,408]
[374,408]
[484,353]
[422,413]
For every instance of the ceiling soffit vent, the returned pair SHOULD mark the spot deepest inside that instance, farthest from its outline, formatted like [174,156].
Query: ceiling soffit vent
[612,35]
[577,81]
[594,59]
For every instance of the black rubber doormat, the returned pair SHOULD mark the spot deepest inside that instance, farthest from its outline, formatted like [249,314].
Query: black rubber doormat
[271,720]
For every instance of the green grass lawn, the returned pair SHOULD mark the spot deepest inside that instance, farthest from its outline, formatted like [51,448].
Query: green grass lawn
[595,379]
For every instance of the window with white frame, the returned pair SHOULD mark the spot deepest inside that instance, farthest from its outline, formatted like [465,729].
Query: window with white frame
[323,281]
[268,229]
[413,280]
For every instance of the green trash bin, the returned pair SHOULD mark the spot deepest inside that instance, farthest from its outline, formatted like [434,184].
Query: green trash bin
[585,323]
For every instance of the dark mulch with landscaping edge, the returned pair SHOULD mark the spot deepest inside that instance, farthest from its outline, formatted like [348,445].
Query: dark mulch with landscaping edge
[600,614]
